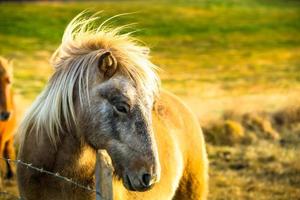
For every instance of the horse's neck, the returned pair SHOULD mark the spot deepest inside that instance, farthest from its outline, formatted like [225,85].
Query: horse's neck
[75,159]
[38,151]
[10,101]
[71,158]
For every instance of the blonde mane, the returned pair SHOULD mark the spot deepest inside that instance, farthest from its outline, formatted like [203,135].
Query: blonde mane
[53,112]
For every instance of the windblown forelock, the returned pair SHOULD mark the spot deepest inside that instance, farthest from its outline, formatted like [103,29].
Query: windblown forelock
[81,46]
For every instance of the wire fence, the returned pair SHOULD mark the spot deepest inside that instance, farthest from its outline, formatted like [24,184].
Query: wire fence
[10,196]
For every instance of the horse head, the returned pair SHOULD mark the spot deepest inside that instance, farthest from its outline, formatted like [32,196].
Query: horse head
[118,119]
[5,89]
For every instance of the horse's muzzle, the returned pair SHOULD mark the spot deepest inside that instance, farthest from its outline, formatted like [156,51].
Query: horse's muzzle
[135,183]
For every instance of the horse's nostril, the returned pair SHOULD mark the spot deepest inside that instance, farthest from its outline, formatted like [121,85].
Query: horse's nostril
[4,115]
[146,180]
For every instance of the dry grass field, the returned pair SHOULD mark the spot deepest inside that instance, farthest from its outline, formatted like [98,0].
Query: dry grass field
[236,63]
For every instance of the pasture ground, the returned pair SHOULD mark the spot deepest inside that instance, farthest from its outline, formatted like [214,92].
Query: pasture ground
[240,56]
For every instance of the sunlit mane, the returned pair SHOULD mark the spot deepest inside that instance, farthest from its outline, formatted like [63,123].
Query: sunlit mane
[53,112]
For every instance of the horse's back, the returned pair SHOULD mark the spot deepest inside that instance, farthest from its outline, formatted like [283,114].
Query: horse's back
[181,151]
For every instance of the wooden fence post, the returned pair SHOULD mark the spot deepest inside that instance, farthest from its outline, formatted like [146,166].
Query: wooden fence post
[104,176]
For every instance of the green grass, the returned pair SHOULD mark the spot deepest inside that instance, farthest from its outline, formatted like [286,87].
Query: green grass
[216,54]
[234,43]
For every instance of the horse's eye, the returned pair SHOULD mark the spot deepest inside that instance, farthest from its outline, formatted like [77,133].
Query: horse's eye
[122,108]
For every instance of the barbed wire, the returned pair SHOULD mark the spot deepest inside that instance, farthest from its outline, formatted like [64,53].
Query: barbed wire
[56,175]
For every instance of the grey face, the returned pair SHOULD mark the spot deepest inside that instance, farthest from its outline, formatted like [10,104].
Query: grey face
[119,120]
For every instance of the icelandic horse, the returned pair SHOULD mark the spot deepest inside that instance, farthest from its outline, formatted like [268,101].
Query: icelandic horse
[105,94]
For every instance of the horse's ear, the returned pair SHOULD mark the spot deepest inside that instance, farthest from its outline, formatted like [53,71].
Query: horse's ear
[107,65]
[10,68]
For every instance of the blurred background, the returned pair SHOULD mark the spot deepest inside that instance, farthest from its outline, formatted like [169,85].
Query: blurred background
[236,63]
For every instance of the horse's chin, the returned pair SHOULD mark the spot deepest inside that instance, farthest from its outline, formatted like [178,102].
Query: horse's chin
[124,177]
[127,183]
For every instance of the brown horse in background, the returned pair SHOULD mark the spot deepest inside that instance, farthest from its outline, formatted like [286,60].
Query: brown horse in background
[105,94]
[7,119]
